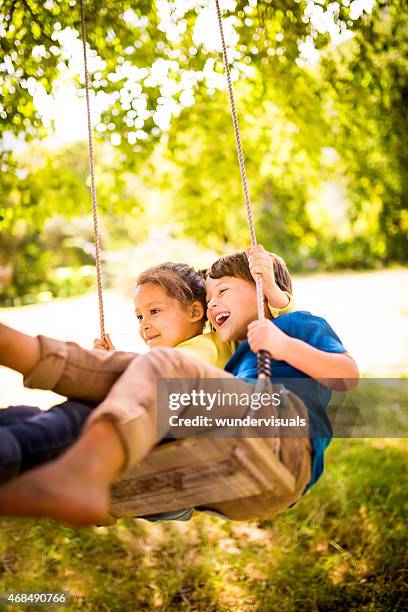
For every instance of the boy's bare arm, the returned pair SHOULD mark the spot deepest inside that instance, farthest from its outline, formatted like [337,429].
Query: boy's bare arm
[261,262]
[337,371]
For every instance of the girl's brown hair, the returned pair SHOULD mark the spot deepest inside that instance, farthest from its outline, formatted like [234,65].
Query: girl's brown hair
[180,282]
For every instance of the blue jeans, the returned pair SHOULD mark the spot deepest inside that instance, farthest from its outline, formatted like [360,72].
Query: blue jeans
[30,436]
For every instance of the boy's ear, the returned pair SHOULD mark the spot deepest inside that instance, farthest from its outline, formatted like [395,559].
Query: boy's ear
[196,311]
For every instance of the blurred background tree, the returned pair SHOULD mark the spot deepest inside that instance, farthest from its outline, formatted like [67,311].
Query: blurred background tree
[365,86]
[321,94]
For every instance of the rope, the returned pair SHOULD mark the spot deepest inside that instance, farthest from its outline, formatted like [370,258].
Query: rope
[93,185]
[263,357]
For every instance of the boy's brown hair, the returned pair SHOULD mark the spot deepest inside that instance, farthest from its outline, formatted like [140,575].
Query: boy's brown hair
[237,265]
[179,280]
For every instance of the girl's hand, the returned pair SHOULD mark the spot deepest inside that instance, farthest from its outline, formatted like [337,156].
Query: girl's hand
[104,345]
[265,336]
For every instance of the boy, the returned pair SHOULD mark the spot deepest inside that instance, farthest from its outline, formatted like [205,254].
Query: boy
[122,429]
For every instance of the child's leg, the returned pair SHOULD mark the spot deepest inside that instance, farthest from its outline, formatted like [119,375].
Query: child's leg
[63,367]
[77,373]
[18,351]
[75,488]
[10,451]
[10,456]
[28,442]
[14,414]
[30,436]
[73,494]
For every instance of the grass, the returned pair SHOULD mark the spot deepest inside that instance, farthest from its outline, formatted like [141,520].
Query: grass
[339,548]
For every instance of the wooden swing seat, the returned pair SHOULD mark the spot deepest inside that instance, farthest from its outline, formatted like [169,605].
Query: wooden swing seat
[196,472]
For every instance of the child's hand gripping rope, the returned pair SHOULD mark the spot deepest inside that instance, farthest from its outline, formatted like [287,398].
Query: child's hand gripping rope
[265,336]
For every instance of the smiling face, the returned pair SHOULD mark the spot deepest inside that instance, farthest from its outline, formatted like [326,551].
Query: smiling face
[163,320]
[231,306]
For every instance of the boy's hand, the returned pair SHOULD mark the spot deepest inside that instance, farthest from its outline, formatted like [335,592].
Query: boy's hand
[104,345]
[260,262]
[265,336]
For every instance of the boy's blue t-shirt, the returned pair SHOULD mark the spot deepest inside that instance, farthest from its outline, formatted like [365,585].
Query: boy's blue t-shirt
[318,333]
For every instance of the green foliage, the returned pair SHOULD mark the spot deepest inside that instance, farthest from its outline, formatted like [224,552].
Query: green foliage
[33,261]
[47,222]
[365,84]
[27,266]
[351,104]
[206,190]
